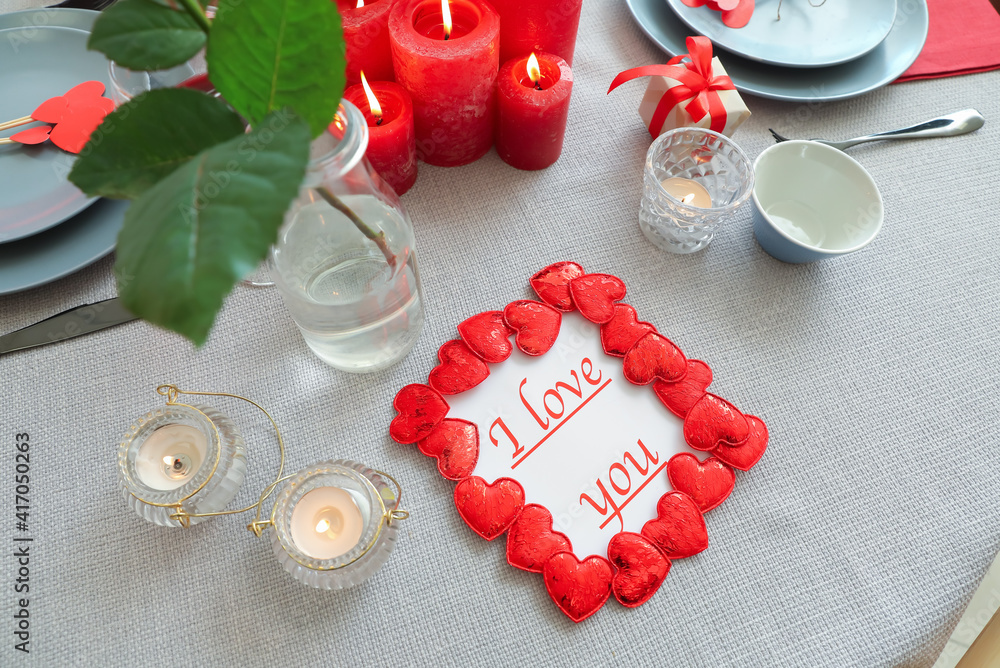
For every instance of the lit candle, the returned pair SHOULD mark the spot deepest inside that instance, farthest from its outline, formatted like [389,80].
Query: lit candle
[688,192]
[533,95]
[530,25]
[392,147]
[326,523]
[449,68]
[170,456]
[366,35]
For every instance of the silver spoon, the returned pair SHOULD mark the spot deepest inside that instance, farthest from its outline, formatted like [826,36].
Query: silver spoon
[957,123]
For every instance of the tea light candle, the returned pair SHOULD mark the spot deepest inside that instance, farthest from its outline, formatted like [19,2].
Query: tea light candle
[392,147]
[446,56]
[170,456]
[530,25]
[366,36]
[533,96]
[326,523]
[688,192]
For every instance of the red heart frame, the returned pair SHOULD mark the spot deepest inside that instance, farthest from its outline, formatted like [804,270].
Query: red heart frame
[580,587]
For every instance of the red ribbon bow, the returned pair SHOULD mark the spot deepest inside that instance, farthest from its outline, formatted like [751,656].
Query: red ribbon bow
[695,85]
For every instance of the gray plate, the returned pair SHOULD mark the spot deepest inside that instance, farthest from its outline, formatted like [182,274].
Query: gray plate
[39,63]
[836,32]
[881,66]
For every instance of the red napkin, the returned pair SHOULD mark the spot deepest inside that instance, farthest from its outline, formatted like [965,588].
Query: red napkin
[964,38]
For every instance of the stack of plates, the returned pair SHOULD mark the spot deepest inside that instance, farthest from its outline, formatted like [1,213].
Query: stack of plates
[48,228]
[840,49]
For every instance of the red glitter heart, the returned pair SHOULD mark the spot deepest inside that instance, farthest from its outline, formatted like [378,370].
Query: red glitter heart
[708,483]
[35,135]
[459,370]
[623,330]
[714,421]
[681,396]
[579,588]
[537,325]
[654,356]
[749,452]
[455,445]
[489,509]
[488,336]
[595,295]
[679,528]
[531,539]
[420,409]
[641,568]
[552,284]
[78,123]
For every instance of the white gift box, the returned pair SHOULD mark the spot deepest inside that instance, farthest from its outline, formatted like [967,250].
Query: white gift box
[736,110]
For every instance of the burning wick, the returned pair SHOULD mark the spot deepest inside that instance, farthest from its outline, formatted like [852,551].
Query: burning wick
[687,199]
[361,3]
[446,18]
[373,104]
[534,72]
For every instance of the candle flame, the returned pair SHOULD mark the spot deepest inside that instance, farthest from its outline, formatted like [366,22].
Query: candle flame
[534,72]
[168,461]
[361,3]
[373,104]
[322,526]
[446,18]
[687,199]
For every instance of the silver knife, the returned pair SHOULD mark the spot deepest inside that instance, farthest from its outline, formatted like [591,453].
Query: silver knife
[68,324]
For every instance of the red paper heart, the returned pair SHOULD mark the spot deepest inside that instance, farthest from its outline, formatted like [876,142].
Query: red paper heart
[595,295]
[579,588]
[552,284]
[421,409]
[714,421]
[679,528]
[739,17]
[78,123]
[681,396]
[459,370]
[749,452]
[537,325]
[50,111]
[488,336]
[641,568]
[727,5]
[455,445]
[35,135]
[623,330]
[654,356]
[531,539]
[84,91]
[489,509]
[708,483]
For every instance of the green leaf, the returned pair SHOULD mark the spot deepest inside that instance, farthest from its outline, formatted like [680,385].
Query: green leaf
[269,54]
[145,35]
[149,137]
[188,239]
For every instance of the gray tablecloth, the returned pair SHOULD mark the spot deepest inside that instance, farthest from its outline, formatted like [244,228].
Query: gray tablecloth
[856,541]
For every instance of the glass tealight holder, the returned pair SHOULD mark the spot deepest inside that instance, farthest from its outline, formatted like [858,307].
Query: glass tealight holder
[188,458]
[335,523]
[694,180]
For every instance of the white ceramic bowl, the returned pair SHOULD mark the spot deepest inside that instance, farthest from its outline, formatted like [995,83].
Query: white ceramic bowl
[813,202]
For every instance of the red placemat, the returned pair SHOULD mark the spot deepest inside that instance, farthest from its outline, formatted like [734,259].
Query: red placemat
[964,38]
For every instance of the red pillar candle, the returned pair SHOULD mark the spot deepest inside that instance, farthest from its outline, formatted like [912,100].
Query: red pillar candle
[451,75]
[366,35]
[528,26]
[533,108]
[392,147]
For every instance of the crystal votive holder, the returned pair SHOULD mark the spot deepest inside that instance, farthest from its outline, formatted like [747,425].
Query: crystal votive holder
[715,165]
[181,458]
[335,524]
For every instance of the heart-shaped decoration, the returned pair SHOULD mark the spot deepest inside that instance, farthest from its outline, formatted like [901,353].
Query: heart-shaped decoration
[641,568]
[50,111]
[421,409]
[489,509]
[35,135]
[595,296]
[537,325]
[488,336]
[714,421]
[579,588]
[654,356]
[679,528]
[679,397]
[78,123]
[735,13]
[552,284]
[531,539]
[749,452]
[623,330]
[455,445]
[459,370]
[708,483]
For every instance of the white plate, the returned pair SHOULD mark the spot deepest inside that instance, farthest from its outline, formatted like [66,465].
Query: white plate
[836,32]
